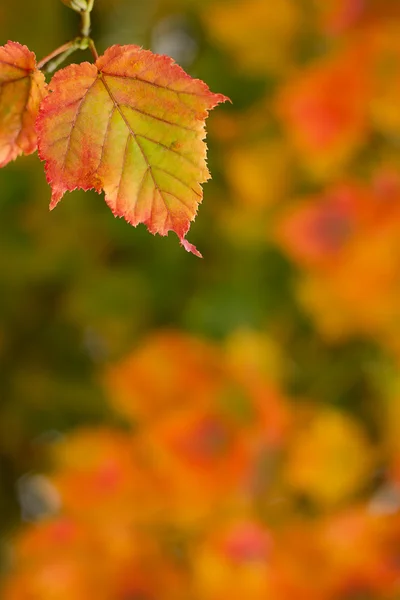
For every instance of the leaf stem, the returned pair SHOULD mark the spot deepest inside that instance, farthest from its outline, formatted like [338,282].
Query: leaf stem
[85,19]
[64,50]
[53,60]
[92,49]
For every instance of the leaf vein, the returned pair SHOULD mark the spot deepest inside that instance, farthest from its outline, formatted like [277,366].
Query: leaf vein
[135,136]
[154,84]
[3,83]
[140,188]
[20,132]
[10,64]
[147,114]
[174,196]
[149,139]
[187,185]
[105,137]
[74,121]
[128,139]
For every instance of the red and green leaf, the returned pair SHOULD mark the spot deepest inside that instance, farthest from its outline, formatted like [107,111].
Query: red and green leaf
[22,87]
[133,125]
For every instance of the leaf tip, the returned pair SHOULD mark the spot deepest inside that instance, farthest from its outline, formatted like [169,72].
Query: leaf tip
[190,247]
[55,199]
[222,98]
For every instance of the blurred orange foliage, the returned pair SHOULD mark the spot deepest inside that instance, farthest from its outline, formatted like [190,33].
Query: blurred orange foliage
[348,242]
[199,495]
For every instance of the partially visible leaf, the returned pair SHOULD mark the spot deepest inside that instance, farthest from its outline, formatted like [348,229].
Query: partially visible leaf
[131,124]
[22,87]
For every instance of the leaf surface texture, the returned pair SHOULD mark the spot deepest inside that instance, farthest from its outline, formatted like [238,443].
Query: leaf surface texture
[133,125]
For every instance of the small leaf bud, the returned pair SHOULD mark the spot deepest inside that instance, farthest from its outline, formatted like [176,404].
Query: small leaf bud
[77,5]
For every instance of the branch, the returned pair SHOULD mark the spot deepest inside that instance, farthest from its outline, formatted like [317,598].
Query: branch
[62,52]
[85,16]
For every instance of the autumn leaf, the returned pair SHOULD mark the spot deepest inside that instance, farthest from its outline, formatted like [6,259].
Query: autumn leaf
[132,124]
[22,87]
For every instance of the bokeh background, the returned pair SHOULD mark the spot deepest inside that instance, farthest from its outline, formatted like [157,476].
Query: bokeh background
[183,429]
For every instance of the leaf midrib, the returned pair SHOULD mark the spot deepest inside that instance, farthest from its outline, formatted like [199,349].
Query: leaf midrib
[145,157]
